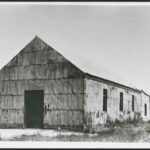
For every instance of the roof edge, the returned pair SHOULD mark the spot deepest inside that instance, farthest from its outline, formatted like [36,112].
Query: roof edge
[112,82]
[145,92]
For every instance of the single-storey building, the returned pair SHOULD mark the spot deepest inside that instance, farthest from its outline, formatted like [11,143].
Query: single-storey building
[145,106]
[41,88]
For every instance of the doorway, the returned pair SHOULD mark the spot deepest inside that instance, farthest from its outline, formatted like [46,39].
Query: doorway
[34,100]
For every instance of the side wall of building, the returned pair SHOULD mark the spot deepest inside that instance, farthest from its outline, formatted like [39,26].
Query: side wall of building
[145,103]
[39,67]
[93,99]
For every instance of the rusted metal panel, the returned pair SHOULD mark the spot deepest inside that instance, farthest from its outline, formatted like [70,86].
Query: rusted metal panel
[13,62]
[20,75]
[13,87]
[50,101]
[64,86]
[33,84]
[80,101]
[2,73]
[41,57]
[76,85]
[38,44]
[70,116]
[6,87]
[62,101]
[35,45]
[18,101]
[54,57]
[1,87]
[34,72]
[6,73]
[54,71]
[73,101]
[78,118]
[11,102]
[13,72]
[26,59]
[62,117]
[70,71]
[50,117]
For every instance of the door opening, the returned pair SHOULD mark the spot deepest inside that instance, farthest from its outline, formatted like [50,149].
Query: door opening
[34,101]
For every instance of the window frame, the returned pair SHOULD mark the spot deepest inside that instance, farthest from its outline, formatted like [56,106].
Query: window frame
[121,102]
[105,98]
[145,109]
[133,103]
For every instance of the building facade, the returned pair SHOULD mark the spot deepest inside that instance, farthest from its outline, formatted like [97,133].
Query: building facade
[145,106]
[109,102]
[40,88]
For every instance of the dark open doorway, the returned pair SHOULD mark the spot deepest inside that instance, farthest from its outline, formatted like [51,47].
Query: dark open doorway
[34,100]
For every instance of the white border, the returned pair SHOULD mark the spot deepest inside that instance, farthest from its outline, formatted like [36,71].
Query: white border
[80,3]
[49,144]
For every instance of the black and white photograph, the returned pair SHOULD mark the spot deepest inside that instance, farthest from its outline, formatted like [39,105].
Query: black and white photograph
[75,72]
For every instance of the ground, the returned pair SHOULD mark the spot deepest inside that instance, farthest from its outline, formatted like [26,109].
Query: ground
[139,132]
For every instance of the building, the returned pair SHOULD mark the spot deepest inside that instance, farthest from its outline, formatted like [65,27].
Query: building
[145,106]
[40,88]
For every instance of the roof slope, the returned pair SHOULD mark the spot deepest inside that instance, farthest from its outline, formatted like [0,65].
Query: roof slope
[86,66]
[145,92]
[92,68]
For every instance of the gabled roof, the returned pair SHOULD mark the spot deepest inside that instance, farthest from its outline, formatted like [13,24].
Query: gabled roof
[90,68]
[95,70]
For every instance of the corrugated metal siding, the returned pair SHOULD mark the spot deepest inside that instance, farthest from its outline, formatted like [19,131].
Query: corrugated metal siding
[36,67]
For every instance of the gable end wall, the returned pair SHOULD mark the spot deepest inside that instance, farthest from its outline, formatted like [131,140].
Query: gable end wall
[40,67]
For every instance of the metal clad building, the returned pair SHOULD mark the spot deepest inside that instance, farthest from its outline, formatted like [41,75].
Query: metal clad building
[40,88]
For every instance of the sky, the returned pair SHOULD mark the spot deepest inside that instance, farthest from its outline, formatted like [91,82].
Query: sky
[116,37]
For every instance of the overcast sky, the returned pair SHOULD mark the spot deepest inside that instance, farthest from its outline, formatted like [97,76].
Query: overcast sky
[116,37]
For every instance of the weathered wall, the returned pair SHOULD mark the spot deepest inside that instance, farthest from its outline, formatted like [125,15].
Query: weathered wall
[93,98]
[36,67]
[145,100]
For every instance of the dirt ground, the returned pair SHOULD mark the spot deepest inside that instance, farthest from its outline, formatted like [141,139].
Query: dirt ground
[120,133]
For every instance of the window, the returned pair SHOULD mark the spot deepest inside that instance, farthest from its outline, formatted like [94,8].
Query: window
[133,103]
[97,115]
[145,109]
[121,101]
[105,100]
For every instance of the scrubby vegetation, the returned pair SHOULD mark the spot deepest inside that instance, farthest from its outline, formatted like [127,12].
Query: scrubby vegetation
[116,132]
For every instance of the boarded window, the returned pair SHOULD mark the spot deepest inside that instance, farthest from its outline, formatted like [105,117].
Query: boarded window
[121,101]
[133,103]
[105,100]
[145,106]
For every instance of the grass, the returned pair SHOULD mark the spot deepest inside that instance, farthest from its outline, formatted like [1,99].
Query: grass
[138,132]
